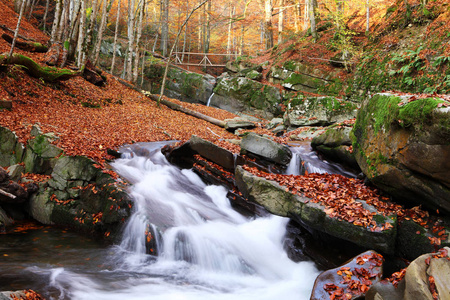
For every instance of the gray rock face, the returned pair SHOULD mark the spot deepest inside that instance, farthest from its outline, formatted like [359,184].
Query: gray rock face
[237,123]
[278,201]
[213,152]
[188,86]
[15,172]
[334,144]
[266,148]
[40,154]
[319,111]
[403,148]
[11,150]
[237,94]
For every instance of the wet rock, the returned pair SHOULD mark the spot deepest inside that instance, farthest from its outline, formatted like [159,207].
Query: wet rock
[334,144]
[278,201]
[40,155]
[384,290]
[266,148]
[351,280]
[212,152]
[402,147]
[274,123]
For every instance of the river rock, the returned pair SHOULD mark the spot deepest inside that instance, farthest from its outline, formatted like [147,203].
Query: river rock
[11,150]
[237,123]
[318,111]
[278,201]
[334,144]
[403,148]
[266,148]
[352,279]
[214,153]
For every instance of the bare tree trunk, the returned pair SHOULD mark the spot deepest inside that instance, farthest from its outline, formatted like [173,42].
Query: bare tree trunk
[173,46]
[16,32]
[81,34]
[131,37]
[312,19]
[98,44]
[116,33]
[138,38]
[55,22]
[33,4]
[230,23]
[66,33]
[164,26]
[208,27]
[280,22]
[89,33]
[268,30]
[44,18]
[367,16]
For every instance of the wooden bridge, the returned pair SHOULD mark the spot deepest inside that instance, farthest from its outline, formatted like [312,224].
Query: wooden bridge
[179,57]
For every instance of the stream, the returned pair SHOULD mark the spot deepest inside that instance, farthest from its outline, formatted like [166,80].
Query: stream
[206,249]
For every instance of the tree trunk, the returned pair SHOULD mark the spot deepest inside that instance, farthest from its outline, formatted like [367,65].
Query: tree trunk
[55,22]
[312,19]
[66,34]
[208,27]
[268,30]
[98,44]
[89,33]
[44,18]
[131,37]
[164,26]
[367,16]
[116,33]
[230,24]
[280,22]
[81,34]
[16,32]
[173,46]
[138,38]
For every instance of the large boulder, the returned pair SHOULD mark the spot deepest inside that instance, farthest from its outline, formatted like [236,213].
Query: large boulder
[335,144]
[11,150]
[188,86]
[214,153]
[266,148]
[237,94]
[318,111]
[403,146]
[40,154]
[278,201]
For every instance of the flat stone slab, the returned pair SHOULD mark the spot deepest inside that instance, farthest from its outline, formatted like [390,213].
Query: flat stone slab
[266,148]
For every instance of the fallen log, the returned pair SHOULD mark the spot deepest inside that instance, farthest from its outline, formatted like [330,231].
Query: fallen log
[49,74]
[2,192]
[188,111]
[27,46]
[19,35]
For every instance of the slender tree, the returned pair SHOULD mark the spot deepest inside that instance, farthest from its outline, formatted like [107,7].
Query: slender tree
[138,39]
[116,33]
[105,12]
[312,18]
[164,26]
[268,30]
[16,32]
[367,16]
[131,37]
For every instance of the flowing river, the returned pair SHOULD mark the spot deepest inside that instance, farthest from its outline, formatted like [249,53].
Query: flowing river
[206,249]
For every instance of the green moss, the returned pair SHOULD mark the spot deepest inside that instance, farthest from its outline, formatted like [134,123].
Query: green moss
[417,112]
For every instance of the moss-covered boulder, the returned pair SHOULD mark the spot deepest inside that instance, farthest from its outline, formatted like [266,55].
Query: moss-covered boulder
[278,201]
[11,150]
[403,146]
[188,86]
[335,144]
[238,94]
[318,111]
[40,154]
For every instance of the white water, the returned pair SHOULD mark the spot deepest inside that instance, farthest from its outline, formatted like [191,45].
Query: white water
[209,99]
[207,251]
[304,159]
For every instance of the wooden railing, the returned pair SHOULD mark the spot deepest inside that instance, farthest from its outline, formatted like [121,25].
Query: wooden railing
[179,57]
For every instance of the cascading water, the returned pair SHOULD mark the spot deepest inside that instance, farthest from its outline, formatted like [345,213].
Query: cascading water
[209,99]
[304,159]
[206,249]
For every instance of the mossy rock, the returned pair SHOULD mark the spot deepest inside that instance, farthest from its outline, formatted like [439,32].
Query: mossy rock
[11,150]
[402,145]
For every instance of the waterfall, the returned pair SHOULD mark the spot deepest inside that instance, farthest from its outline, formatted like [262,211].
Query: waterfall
[206,250]
[303,159]
[209,99]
